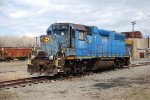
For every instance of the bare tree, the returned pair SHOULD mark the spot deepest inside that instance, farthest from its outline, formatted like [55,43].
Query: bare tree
[14,41]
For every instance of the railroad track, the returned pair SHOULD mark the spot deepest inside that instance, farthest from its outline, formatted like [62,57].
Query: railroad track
[36,80]
[139,64]
[23,82]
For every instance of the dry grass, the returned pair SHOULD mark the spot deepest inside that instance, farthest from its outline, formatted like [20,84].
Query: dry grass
[13,63]
[137,94]
[13,75]
[7,95]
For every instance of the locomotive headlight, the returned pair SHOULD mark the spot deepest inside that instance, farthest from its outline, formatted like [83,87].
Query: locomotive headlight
[32,57]
[50,57]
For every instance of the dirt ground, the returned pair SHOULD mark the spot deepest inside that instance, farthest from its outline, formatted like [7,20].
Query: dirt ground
[118,84]
[13,70]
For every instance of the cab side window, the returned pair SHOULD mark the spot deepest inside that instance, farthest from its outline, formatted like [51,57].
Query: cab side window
[81,36]
[104,39]
[48,32]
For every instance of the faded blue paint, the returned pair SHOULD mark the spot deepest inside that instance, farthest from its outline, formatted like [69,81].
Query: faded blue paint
[52,47]
[101,43]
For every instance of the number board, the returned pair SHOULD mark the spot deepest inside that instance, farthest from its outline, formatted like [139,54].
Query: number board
[60,27]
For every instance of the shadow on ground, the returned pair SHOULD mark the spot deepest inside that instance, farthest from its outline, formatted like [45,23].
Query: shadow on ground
[122,82]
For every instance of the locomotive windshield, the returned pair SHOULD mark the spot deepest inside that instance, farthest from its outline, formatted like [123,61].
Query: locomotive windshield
[60,32]
[60,29]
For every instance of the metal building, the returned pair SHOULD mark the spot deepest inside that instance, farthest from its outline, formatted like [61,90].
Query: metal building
[139,47]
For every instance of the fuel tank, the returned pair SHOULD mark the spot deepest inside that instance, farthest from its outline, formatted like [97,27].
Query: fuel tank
[103,65]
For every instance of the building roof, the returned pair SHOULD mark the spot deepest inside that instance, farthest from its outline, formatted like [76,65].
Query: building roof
[135,34]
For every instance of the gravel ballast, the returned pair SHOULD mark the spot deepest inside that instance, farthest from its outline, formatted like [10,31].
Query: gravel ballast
[119,84]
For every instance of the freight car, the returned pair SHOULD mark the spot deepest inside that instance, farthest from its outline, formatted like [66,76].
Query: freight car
[10,53]
[73,48]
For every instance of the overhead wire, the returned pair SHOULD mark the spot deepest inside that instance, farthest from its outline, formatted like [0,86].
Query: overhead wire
[141,28]
[145,20]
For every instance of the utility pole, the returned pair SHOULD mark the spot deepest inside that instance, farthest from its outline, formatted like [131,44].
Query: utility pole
[148,41]
[36,45]
[133,23]
[148,47]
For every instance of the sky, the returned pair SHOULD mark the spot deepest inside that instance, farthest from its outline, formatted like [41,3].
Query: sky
[32,17]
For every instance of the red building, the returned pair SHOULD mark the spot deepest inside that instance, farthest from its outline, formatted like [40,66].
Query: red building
[135,34]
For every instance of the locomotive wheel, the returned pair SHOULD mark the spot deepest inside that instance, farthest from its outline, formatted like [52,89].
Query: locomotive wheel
[117,64]
[67,71]
[83,69]
[127,63]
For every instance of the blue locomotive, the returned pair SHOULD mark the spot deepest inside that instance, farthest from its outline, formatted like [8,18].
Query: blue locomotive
[74,48]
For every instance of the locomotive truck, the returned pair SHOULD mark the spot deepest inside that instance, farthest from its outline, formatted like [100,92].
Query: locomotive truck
[69,48]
